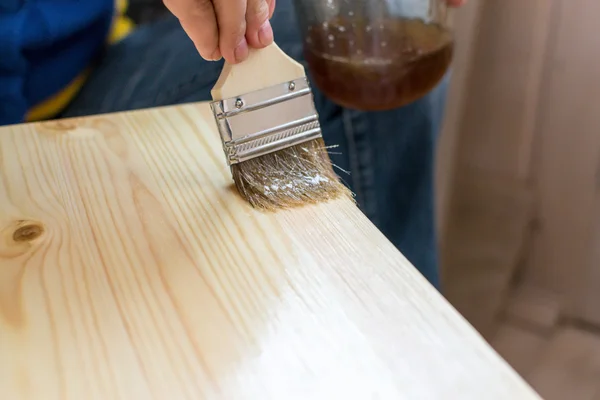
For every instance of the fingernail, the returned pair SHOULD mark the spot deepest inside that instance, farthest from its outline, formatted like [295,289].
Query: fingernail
[265,34]
[216,55]
[241,51]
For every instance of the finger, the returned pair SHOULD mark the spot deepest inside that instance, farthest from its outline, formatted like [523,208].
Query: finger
[456,3]
[258,28]
[271,4]
[231,18]
[198,20]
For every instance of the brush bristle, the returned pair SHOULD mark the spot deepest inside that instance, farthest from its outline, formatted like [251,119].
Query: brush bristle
[298,175]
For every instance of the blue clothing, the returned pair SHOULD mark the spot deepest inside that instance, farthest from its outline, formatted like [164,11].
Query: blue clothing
[44,46]
[390,155]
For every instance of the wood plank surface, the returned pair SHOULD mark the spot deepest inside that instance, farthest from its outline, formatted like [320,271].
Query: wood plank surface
[130,269]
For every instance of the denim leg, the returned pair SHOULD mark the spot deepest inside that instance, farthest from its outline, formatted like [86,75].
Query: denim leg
[388,156]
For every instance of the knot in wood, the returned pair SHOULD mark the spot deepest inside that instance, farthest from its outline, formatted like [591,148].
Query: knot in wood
[28,232]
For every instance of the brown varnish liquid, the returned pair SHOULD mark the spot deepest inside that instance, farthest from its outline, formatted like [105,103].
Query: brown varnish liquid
[377,65]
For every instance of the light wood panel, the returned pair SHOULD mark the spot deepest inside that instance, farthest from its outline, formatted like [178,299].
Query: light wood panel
[129,268]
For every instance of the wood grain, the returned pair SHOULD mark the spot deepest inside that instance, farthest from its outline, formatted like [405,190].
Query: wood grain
[130,269]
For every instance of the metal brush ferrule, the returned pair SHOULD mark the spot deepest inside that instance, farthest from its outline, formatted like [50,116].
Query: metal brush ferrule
[266,120]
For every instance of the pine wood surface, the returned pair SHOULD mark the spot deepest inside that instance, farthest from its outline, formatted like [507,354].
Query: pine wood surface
[130,269]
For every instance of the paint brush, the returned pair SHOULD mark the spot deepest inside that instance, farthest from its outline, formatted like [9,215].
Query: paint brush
[269,127]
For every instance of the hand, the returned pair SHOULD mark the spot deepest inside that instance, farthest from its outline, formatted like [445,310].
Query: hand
[456,3]
[225,28]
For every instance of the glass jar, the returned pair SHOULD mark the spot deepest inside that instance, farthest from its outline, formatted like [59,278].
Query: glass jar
[375,54]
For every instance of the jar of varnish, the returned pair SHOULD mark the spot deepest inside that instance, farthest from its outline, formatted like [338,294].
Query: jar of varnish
[375,54]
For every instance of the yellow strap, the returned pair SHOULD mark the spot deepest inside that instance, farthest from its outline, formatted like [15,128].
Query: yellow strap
[122,26]
[52,106]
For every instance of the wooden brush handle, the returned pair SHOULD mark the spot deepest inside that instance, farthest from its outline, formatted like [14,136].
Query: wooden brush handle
[263,68]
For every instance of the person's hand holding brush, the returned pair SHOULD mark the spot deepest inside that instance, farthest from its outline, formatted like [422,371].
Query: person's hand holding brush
[227,28]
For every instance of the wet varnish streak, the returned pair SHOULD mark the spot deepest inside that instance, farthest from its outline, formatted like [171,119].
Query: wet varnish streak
[130,269]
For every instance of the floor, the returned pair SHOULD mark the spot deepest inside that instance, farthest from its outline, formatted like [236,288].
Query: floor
[559,359]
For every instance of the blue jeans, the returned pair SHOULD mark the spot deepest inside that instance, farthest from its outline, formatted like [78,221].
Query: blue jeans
[390,155]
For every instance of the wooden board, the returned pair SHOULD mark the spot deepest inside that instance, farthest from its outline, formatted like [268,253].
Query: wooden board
[130,269]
